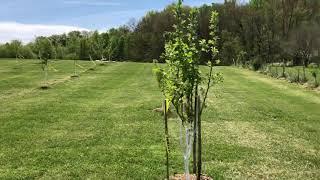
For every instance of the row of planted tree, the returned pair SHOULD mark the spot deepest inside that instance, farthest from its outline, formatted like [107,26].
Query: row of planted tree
[308,75]
[183,85]
[45,61]
[261,30]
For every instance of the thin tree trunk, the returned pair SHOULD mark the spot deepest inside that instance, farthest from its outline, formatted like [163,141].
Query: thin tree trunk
[46,74]
[166,136]
[75,68]
[198,117]
[92,60]
[304,73]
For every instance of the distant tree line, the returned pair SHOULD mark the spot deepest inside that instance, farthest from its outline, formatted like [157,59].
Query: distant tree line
[258,32]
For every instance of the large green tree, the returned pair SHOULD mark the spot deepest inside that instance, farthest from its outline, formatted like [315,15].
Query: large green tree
[260,29]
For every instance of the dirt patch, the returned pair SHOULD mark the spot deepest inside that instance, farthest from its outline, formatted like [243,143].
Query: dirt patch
[44,87]
[160,110]
[74,76]
[192,177]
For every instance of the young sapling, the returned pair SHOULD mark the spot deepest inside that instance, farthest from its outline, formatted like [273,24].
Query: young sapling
[182,82]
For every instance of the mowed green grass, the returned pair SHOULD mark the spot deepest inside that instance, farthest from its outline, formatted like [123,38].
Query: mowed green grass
[25,75]
[101,125]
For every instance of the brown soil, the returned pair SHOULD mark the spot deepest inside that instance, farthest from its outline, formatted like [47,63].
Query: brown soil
[74,76]
[44,87]
[192,177]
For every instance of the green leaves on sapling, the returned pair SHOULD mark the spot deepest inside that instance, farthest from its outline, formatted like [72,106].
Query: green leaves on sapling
[180,79]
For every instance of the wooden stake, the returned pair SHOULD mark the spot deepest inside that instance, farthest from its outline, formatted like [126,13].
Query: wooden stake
[166,136]
[195,136]
[198,118]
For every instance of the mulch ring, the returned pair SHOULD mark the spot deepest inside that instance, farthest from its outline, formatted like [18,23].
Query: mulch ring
[192,177]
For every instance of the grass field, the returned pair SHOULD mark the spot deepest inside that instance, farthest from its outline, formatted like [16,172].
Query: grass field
[101,125]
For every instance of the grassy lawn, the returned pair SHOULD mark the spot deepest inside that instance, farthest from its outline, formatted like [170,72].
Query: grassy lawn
[101,125]
[24,76]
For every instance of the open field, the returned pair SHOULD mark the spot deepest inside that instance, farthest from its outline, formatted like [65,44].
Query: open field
[25,75]
[101,125]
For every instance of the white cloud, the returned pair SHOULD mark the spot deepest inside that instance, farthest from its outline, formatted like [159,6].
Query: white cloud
[27,32]
[92,3]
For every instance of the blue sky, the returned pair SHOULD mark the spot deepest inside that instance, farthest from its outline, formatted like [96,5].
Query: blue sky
[45,17]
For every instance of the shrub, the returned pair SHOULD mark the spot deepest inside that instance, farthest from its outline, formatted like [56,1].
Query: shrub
[71,56]
[303,80]
[273,71]
[278,64]
[257,64]
[283,73]
[159,73]
[289,64]
[268,69]
[312,65]
[241,58]
[304,77]
[314,74]
[315,59]
[293,78]
[246,65]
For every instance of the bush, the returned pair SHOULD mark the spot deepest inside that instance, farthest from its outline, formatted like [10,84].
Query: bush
[293,78]
[273,72]
[303,80]
[71,56]
[289,64]
[257,64]
[315,59]
[27,53]
[277,64]
[315,75]
[246,65]
[312,65]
